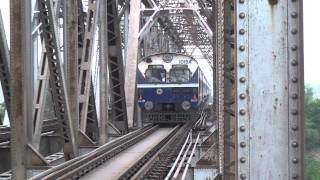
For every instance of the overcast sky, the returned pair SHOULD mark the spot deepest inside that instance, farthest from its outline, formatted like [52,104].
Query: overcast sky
[311,39]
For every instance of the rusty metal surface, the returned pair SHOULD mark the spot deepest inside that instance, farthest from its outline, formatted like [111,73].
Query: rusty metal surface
[114,168]
[269,90]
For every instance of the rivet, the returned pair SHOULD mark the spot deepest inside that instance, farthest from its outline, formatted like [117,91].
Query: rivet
[241,1]
[294,14]
[242,128]
[295,127]
[242,15]
[242,31]
[294,96]
[242,79]
[242,48]
[242,64]
[295,160]
[294,79]
[293,0]
[294,144]
[242,96]
[294,112]
[242,112]
[294,47]
[294,62]
[242,159]
[243,144]
[294,31]
[295,176]
[243,176]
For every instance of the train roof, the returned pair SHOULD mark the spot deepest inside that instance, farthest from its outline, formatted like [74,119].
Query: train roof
[157,54]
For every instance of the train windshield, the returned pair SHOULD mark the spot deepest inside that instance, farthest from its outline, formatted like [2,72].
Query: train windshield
[155,74]
[179,74]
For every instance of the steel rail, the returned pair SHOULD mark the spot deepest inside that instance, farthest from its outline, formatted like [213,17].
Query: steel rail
[47,174]
[177,159]
[92,161]
[143,160]
[157,166]
[190,158]
[176,173]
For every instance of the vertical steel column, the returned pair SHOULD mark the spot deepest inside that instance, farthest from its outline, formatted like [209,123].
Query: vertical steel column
[115,67]
[4,66]
[270,89]
[104,56]
[20,38]
[132,58]
[42,89]
[229,93]
[57,81]
[86,63]
[70,44]
[220,82]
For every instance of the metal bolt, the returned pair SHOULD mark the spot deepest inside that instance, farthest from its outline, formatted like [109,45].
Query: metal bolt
[294,62]
[243,144]
[295,160]
[294,80]
[294,14]
[242,112]
[294,31]
[242,15]
[241,1]
[295,176]
[294,112]
[295,144]
[242,96]
[242,159]
[242,48]
[242,128]
[294,96]
[295,127]
[243,176]
[242,64]
[242,31]
[242,79]
[294,47]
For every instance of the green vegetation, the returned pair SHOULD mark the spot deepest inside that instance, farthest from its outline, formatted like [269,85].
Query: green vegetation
[312,133]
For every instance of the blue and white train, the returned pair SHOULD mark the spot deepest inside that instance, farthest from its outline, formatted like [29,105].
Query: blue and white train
[171,88]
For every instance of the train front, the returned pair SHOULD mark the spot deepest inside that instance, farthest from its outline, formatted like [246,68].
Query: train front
[168,86]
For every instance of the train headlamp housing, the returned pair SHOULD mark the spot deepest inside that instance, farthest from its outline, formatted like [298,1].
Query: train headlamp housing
[186,105]
[159,91]
[148,105]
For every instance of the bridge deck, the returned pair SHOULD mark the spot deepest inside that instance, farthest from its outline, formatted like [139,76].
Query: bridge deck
[123,161]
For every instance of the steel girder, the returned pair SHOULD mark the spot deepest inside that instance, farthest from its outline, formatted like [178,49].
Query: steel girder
[116,71]
[4,66]
[269,113]
[57,81]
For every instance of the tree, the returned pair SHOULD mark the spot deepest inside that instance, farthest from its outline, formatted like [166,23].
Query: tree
[312,119]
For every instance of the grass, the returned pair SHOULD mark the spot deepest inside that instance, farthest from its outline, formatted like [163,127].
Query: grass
[312,168]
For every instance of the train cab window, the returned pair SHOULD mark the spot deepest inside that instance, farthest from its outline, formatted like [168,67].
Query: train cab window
[155,74]
[180,74]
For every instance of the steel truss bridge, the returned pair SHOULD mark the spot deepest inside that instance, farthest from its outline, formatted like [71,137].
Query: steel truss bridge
[69,83]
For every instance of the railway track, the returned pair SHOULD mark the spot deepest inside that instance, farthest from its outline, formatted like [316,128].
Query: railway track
[158,165]
[81,166]
[143,154]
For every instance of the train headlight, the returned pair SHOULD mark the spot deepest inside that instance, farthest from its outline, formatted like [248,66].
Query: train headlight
[148,105]
[186,105]
[159,91]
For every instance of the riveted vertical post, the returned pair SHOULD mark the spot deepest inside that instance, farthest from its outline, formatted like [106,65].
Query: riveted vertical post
[243,126]
[270,89]
[296,89]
